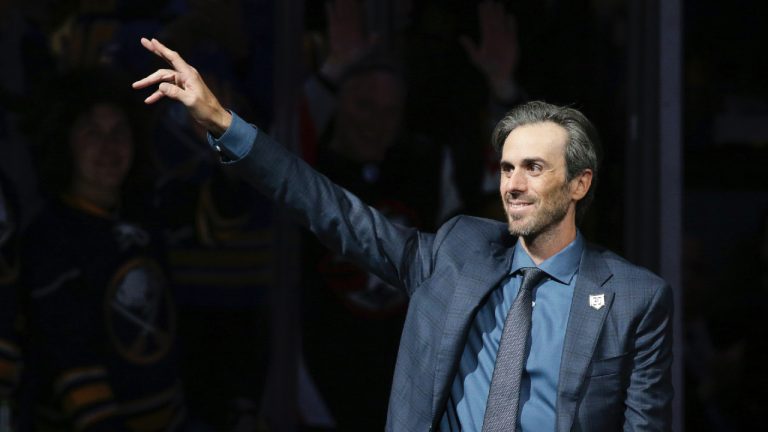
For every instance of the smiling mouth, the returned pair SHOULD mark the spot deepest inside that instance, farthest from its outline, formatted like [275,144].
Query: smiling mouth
[518,205]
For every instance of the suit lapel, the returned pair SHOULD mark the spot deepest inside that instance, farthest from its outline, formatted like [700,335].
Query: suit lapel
[582,333]
[476,279]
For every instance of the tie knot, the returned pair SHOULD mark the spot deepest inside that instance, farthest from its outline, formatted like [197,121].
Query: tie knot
[531,277]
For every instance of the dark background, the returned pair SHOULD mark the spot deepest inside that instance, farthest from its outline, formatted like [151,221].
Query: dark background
[571,52]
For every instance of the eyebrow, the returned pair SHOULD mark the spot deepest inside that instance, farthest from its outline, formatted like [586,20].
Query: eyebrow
[525,162]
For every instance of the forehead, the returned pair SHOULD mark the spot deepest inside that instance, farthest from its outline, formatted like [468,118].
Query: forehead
[101,113]
[545,140]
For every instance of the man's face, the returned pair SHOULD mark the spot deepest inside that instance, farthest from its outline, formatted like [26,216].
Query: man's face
[369,116]
[102,147]
[534,192]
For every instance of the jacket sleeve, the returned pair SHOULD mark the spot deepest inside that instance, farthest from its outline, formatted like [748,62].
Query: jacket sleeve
[399,255]
[649,395]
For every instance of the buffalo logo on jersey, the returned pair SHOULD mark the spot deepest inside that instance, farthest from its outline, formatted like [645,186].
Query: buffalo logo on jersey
[129,235]
[139,312]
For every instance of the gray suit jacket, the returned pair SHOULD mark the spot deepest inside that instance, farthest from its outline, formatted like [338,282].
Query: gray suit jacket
[615,369]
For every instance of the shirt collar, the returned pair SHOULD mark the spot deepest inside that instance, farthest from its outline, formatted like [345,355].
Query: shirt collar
[561,266]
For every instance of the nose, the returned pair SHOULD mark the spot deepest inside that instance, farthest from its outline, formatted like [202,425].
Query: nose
[514,181]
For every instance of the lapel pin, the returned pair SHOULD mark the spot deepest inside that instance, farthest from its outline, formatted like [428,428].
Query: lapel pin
[596,301]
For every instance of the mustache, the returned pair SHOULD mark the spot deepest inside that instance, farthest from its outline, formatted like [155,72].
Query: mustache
[509,197]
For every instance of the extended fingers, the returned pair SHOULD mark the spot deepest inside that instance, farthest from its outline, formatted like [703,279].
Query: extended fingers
[161,75]
[492,17]
[172,57]
[150,46]
[154,97]
[166,89]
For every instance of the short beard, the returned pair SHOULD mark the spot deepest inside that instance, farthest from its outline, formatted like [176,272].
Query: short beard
[549,216]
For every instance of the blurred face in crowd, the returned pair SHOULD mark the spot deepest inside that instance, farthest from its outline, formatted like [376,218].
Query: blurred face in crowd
[102,148]
[369,116]
[535,193]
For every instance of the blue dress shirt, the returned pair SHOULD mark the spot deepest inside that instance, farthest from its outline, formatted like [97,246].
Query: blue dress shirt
[236,141]
[538,393]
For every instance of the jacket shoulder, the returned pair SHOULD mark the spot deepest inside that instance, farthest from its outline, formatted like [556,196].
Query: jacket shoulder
[472,228]
[628,274]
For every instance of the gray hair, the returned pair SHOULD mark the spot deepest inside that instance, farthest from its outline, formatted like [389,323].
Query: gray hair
[581,151]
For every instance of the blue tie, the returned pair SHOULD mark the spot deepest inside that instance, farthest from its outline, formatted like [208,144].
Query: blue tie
[504,395]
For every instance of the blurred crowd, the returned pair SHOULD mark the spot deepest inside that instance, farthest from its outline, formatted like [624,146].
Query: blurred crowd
[135,275]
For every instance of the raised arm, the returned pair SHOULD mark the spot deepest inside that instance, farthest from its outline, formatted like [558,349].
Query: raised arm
[399,255]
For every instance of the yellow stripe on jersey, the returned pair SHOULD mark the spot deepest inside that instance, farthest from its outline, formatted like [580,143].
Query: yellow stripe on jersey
[72,376]
[90,394]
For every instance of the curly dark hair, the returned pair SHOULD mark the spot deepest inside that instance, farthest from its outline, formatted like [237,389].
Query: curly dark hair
[67,98]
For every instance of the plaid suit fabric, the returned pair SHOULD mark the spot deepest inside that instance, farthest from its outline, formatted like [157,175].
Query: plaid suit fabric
[615,369]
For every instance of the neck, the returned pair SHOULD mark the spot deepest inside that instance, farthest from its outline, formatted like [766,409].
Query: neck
[549,242]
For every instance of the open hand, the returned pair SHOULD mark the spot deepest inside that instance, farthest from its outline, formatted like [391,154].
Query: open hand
[347,40]
[184,84]
[497,54]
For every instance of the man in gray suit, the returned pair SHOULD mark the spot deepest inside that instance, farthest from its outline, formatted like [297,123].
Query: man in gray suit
[598,354]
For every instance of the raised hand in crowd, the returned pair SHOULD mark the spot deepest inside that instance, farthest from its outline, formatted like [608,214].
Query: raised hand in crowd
[497,53]
[347,39]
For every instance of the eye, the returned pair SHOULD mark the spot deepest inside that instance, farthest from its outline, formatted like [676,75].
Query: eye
[533,168]
[506,169]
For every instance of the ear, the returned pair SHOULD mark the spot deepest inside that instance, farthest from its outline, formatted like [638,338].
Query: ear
[580,184]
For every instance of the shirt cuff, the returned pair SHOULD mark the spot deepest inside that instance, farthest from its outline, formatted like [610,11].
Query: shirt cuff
[236,141]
